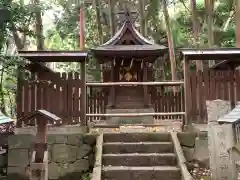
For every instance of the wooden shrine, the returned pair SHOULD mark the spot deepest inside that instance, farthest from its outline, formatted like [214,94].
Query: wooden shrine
[129,57]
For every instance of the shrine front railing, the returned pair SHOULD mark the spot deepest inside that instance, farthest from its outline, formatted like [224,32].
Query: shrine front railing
[167,104]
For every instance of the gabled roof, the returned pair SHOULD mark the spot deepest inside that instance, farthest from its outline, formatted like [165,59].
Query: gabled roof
[127,26]
[128,43]
[48,116]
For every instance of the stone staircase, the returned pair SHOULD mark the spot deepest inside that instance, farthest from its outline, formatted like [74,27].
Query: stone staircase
[139,156]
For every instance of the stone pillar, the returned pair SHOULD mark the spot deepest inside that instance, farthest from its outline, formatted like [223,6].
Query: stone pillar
[220,140]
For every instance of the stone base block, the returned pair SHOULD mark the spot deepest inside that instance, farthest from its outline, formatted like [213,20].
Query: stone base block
[130,120]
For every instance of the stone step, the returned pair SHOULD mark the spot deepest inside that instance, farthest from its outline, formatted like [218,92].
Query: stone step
[141,173]
[156,159]
[136,137]
[137,147]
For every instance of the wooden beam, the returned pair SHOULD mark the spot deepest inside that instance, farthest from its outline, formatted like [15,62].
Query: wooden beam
[167,83]
[136,114]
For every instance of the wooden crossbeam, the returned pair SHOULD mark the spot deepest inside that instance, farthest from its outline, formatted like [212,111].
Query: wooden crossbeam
[136,114]
[169,83]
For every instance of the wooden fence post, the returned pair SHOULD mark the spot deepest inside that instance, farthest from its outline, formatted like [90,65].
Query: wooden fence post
[83,95]
[187,121]
[39,160]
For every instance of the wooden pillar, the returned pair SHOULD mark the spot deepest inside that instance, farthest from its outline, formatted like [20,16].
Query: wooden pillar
[145,88]
[232,92]
[40,152]
[83,95]
[188,120]
[19,96]
[113,98]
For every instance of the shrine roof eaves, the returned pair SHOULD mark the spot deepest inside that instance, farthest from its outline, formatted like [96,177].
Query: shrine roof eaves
[210,54]
[130,47]
[41,112]
[105,53]
[54,56]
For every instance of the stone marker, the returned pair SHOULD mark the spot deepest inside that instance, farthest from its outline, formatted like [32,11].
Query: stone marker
[220,140]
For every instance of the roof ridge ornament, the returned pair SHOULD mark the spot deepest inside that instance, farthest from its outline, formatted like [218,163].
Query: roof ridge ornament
[128,16]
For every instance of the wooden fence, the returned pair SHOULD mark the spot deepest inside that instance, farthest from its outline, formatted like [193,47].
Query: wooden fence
[96,104]
[166,101]
[211,85]
[59,94]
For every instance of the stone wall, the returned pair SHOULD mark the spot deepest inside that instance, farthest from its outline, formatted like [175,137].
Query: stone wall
[3,154]
[70,155]
[195,147]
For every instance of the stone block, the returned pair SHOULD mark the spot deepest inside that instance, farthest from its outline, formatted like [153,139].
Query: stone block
[62,153]
[81,165]
[3,160]
[187,139]
[75,139]
[90,139]
[203,135]
[54,171]
[18,157]
[130,120]
[17,176]
[57,139]
[21,141]
[83,151]
[16,170]
[201,151]
[188,153]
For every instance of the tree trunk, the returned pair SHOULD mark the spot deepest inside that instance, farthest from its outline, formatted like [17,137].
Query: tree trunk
[142,18]
[238,23]
[98,20]
[209,6]
[199,64]
[39,26]
[170,43]
[112,19]
[100,34]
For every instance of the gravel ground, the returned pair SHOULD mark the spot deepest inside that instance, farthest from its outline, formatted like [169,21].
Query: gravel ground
[198,172]
[202,173]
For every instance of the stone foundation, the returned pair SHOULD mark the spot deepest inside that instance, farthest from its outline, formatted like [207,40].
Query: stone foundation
[130,120]
[70,155]
[195,147]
